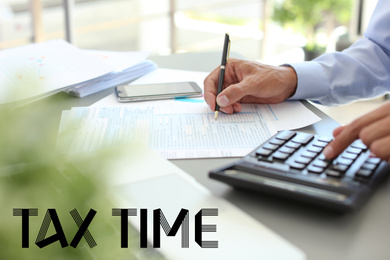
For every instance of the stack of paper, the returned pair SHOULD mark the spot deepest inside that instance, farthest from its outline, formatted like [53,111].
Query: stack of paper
[38,70]
[127,66]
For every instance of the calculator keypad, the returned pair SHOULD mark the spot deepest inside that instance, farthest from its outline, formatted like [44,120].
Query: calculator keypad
[292,164]
[302,154]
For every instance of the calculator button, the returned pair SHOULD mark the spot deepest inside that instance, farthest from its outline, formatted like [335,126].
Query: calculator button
[315,169]
[333,173]
[285,135]
[298,166]
[353,150]
[263,152]
[323,158]
[320,144]
[271,147]
[351,156]
[293,145]
[358,144]
[339,167]
[264,159]
[324,139]
[302,138]
[280,156]
[344,161]
[309,154]
[315,149]
[303,160]
[287,150]
[319,163]
[364,173]
[373,160]
[369,166]
[273,166]
[277,142]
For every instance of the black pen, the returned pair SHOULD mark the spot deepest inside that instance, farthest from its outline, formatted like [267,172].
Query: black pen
[225,57]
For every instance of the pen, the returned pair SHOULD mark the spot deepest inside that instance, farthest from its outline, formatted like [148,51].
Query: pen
[225,57]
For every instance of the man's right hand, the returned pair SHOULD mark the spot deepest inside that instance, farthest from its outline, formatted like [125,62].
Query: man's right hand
[249,82]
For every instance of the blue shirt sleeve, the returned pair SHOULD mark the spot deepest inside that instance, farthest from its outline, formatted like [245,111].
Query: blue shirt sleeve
[361,71]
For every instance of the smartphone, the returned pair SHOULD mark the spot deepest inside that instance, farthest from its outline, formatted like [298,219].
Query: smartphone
[144,92]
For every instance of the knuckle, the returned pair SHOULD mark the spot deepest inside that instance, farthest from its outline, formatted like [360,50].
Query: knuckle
[355,126]
[207,80]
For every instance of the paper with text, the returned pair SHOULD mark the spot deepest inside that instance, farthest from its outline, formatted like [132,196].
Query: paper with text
[287,115]
[177,131]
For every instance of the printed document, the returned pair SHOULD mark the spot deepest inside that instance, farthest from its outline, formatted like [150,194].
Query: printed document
[177,131]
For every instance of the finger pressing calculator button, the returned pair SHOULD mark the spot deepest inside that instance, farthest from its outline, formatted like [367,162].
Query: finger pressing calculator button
[322,157]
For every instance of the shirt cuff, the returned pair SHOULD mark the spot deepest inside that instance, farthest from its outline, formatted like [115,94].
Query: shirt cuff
[312,81]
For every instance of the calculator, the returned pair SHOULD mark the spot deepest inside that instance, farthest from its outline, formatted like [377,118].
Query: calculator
[291,164]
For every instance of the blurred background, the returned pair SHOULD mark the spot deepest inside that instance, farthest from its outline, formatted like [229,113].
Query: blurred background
[271,31]
[268,30]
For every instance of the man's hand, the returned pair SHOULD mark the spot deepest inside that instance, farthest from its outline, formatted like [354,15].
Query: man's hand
[249,82]
[373,129]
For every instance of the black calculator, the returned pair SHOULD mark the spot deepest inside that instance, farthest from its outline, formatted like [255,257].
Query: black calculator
[291,164]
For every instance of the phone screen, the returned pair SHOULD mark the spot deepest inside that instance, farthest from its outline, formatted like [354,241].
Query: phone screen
[159,89]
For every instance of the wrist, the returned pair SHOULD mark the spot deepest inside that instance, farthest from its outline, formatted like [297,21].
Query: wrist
[289,80]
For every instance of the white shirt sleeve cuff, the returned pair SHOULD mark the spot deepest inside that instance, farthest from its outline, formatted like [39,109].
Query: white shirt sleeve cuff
[312,81]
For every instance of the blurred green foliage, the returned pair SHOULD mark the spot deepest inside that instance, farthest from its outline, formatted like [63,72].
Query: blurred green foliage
[311,12]
[218,18]
[34,175]
[309,16]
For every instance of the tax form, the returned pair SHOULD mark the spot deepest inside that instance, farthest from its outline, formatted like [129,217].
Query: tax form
[180,130]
